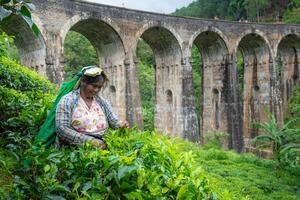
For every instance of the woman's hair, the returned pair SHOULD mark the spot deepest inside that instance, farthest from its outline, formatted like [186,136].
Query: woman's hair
[90,79]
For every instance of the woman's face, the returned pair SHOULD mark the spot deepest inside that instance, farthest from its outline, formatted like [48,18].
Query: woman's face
[92,89]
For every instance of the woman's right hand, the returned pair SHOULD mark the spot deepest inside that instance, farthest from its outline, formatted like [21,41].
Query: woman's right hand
[99,143]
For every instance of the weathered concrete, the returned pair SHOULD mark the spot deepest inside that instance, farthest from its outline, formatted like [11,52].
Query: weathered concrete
[114,32]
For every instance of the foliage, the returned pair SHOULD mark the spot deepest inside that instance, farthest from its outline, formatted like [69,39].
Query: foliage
[284,141]
[137,166]
[146,74]
[294,106]
[144,53]
[146,165]
[247,177]
[215,140]
[5,41]
[292,14]
[25,99]
[197,79]
[240,71]
[8,8]
[238,10]
[205,9]
[13,75]
[78,53]
[7,163]
[254,7]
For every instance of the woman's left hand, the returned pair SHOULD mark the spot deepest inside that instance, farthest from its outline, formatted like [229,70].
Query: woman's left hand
[123,124]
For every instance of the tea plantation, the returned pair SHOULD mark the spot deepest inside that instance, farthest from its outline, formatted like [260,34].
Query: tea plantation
[137,165]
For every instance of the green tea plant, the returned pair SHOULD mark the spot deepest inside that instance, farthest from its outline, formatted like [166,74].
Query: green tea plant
[18,77]
[137,165]
[215,139]
[25,100]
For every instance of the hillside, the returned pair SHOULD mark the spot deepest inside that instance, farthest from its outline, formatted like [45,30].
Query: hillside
[286,11]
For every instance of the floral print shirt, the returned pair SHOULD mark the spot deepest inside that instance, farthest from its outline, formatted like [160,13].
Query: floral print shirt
[63,119]
[89,120]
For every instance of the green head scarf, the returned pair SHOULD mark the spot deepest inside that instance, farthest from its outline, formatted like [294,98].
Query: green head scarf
[46,134]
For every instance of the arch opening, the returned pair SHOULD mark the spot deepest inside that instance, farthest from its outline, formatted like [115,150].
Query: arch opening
[287,66]
[166,62]
[197,72]
[94,42]
[210,93]
[256,82]
[78,52]
[146,75]
[31,49]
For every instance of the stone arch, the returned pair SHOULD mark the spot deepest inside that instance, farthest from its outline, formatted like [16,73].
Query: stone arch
[257,93]
[32,48]
[208,29]
[249,32]
[288,66]
[109,46]
[154,24]
[168,56]
[214,52]
[103,35]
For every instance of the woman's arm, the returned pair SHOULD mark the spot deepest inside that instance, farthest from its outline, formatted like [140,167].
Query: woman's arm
[63,118]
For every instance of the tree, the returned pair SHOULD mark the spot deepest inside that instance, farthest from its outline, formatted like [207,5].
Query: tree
[78,53]
[292,14]
[253,8]
[237,9]
[8,8]
[284,141]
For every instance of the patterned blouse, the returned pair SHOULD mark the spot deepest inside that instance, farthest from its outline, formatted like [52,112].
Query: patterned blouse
[66,127]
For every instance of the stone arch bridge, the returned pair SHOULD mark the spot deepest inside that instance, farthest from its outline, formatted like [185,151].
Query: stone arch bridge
[271,55]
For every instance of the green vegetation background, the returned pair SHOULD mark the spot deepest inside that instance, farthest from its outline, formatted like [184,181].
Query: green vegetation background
[154,165]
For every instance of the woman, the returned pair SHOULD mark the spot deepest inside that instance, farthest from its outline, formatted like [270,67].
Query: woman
[84,116]
[79,114]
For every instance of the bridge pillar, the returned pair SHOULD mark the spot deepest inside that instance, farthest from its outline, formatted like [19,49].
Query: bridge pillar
[258,100]
[233,104]
[133,100]
[191,127]
[214,101]
[54,58]
[276,103]
[168,96]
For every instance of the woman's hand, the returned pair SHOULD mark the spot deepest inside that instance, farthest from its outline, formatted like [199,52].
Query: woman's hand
[123,124]
[99,143]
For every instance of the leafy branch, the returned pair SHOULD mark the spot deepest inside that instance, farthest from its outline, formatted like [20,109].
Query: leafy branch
[20,8]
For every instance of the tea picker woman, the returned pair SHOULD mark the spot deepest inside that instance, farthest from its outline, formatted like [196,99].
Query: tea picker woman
[80,114]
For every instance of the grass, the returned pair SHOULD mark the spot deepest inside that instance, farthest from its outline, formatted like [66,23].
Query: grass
[245,175]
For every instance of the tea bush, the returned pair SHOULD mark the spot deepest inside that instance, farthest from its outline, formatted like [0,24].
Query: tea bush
[25,99]
[13,75]
[138,165]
